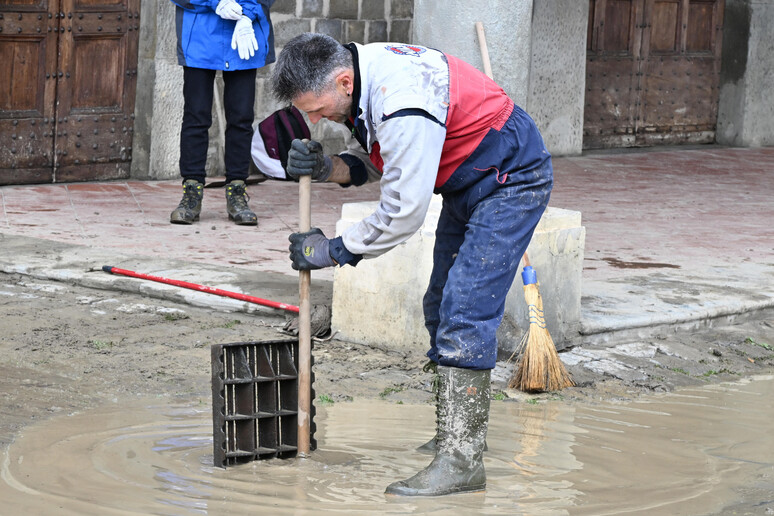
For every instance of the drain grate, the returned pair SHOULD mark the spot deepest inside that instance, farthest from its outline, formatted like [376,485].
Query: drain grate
[255,401]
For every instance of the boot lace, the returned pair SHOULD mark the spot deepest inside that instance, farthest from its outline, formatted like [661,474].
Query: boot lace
[238,197]
[191,195]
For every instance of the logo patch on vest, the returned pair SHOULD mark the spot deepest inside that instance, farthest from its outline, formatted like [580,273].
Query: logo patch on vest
[406,50]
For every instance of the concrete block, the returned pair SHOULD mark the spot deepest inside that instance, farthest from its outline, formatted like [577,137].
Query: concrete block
[346,9]
[287,6]
[355,30]
[380,300]
[402,8]
[286,30]
[333,28]
[372,10]
[377,31]
[312,8]
[400,31]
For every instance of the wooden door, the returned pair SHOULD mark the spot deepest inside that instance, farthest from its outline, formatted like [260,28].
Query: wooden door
[28,51]
[68,105]
[653,71]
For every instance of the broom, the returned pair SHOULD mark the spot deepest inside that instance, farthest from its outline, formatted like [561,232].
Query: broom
[539,368]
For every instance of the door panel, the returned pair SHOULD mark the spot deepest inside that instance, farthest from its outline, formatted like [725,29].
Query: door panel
[26,55]
[700,30]
[664,24]
[618,23]
[680,86]
[98,91]
[28,44]
[673,57]
[95,112]
[611,71]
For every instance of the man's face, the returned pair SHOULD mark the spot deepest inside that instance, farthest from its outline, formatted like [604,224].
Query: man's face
[334,105]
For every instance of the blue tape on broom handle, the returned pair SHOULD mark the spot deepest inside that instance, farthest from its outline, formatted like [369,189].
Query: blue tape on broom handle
[528,275]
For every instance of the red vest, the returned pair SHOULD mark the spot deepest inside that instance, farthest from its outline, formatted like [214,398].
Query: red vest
[477,104]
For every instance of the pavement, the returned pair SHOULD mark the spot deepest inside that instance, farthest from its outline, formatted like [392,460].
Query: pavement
[675,237]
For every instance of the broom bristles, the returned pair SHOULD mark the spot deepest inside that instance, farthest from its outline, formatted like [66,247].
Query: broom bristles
[539,369]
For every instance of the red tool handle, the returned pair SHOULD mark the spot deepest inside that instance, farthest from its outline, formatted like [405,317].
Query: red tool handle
[202,288]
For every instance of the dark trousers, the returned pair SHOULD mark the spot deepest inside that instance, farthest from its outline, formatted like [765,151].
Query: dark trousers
[238,102]
[475,259]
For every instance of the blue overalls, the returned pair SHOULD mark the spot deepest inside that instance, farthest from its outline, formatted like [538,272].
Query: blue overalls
[484,229]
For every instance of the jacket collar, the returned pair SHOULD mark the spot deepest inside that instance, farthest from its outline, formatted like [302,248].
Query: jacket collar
[355,125]
[356,111]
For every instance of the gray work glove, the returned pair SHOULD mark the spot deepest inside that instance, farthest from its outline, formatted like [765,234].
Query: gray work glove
[310,251]
[306,158]
[244,38]
[229,10]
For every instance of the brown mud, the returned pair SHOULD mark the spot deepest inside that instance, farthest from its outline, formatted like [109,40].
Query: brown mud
[69,352]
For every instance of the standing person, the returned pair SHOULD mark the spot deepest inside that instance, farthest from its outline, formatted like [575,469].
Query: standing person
[425,122]
[235,36]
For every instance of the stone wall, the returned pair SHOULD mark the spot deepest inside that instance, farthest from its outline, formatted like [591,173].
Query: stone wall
[160,78]
[557,75]
[746,107]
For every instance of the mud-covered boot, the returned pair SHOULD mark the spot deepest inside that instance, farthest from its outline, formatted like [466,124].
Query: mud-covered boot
[431,367]
[430,447]
[190,205]
[463,417]
[236,204]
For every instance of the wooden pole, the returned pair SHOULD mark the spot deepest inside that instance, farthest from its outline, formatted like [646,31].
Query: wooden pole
[483,49]
[304,325]
[488,71]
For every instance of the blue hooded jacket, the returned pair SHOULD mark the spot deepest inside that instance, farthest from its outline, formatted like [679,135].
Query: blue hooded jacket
[204,38]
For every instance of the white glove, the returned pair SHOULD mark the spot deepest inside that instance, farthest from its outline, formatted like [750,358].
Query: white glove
[244,38]
[229,10]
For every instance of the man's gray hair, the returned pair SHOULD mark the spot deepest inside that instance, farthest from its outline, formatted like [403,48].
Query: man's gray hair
[308,63]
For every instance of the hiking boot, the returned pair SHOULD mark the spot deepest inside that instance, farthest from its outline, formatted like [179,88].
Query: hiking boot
[190,205]
[463,417]
[236,204]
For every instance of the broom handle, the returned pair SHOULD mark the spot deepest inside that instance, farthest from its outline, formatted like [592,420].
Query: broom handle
[488,71]
[201,288]
[483,49]
[304,324]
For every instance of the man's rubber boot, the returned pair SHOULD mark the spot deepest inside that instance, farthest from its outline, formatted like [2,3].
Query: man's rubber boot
[236,204]
[463,417]
[190,205]
[430,447]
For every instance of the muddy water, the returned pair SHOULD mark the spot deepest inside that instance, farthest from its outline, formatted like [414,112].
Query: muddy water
[693,452]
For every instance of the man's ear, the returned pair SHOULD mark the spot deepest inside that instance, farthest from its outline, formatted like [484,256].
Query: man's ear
[346,81]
